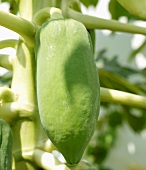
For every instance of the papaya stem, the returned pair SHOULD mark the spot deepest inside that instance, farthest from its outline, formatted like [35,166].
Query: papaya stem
[56,13]
[6,61]
[9,111]
[124,98]
[47,160]
[98,23]
[46,145]
[44,14]
[41,16]
[8,43]
[26,9]
[90,22]
[19,25]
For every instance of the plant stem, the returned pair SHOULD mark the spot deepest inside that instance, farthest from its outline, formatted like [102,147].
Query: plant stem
[8,43]
[26,9]
[47,160]
[27,129]
[55,13]
[124,98]
[41,16]
[21,26]
[98,23]
[6,61]
[11,110]
[46,145]
[91,22]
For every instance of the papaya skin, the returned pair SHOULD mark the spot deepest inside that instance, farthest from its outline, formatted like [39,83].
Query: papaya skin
[5,146]
[67,86]
[135,7]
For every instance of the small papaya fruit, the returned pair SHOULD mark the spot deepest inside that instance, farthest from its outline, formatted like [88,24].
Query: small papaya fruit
[68,87]
[135,7]
[5,146]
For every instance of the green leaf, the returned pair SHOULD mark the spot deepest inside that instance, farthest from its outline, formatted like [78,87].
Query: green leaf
[115,81]
[144,72]
[115,76]
[112,65]
[137,123]
[115,119]
[137,50]
[88,3]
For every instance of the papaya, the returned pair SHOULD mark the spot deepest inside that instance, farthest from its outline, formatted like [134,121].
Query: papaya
[5,146]
[68,89]
[135,7]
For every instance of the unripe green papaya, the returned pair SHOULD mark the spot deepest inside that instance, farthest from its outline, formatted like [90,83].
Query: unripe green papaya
[135,7]
[67,85]
[5,146]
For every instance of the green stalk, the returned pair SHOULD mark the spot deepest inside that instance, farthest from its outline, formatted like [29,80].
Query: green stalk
[8,43]
[27,129]
[25,110]
[46,145]
[12,111]
[21,26]
[98,23]
[41,16]
[90,22]
[56,3]
[26,9]
[124,98]
[53,163]
[40,4]
[6,61]
[55,13]
[44,14]
[23,114]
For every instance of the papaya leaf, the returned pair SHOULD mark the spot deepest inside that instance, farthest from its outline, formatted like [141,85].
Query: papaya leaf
[112,64]
[115,119]
[144,72]
[136,122]
[115,76]
[5,146]
[137,50]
